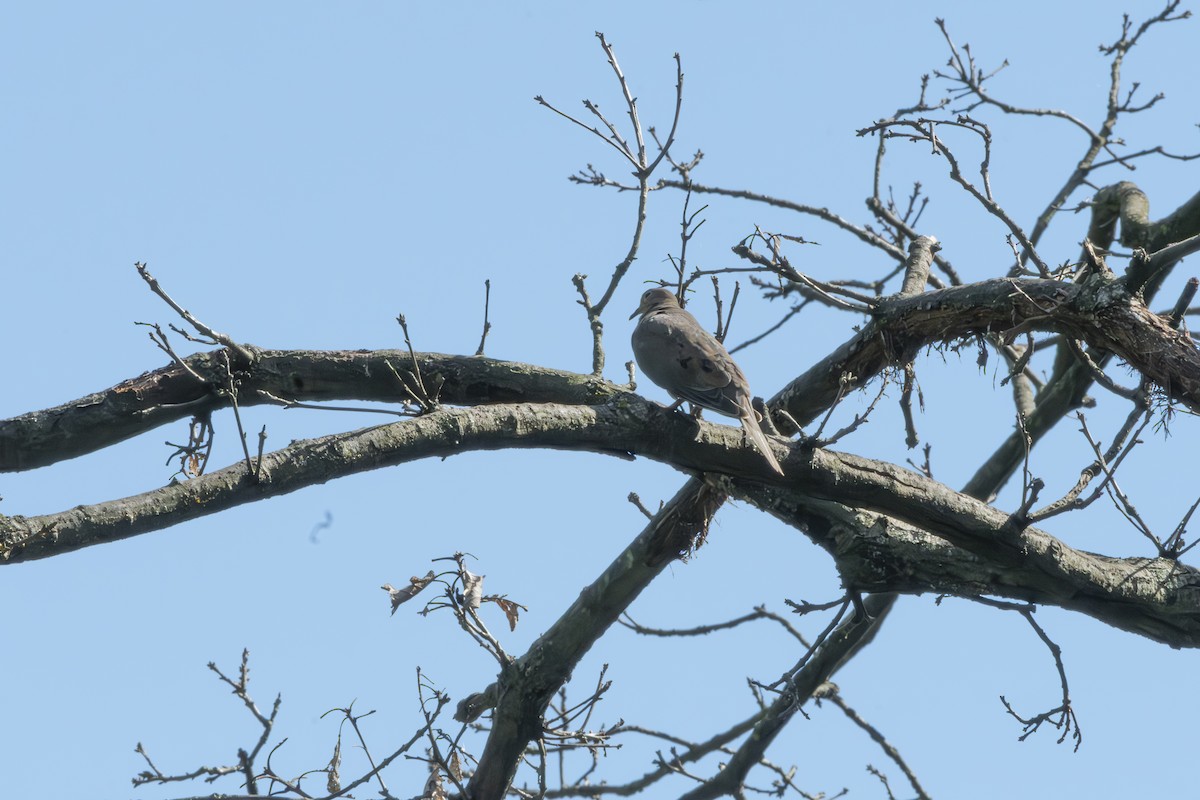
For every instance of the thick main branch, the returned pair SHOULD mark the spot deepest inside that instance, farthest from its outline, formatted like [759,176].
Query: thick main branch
[172,393]
[1156,598]
[1098,312]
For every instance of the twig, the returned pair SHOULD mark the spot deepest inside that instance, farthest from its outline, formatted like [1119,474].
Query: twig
[925,131]
[864,234]
[594,324]
[925,467]
[1145,267]
[971,78]
[1175,318]
[285,403]
[243,353]
[665,149]
[420,733]
[643,170]
[1098,375]
[911,439]
[1063,717]
[789,677]
[1026,475]
[160,340]
[441,698]
[232,392]
[1114,455]
[723,325]
[858,421]
[193,456]
[891,752]
[824,291]
[612,139]
[637,502]
[758,613]
[630,101]
[258,461]
[463,594]
[1119,498]
[1174,545]
[793,311]
[412,381]
[487,326]
[246,759]
[845,381]
[1018,365]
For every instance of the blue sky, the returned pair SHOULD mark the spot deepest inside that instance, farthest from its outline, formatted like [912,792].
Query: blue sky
[296,174]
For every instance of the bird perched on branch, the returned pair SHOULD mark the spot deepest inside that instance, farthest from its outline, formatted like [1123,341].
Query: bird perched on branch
[677,353]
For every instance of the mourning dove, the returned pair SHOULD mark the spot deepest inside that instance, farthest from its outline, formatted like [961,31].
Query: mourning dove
[678,354]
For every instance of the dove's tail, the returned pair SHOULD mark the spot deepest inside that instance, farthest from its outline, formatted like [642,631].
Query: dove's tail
[749,421]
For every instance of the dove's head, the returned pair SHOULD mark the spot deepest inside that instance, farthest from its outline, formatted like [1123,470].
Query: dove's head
[655,300]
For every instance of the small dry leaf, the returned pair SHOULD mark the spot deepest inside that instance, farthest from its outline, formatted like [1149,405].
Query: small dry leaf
[433,787]
[333,783]
[455,766]
[407,593]
[472,589]
[510,611]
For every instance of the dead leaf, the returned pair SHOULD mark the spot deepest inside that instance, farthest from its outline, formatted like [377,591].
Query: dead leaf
[472,589]
[510,610]
[333,783]
[407,593]
[433,787]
